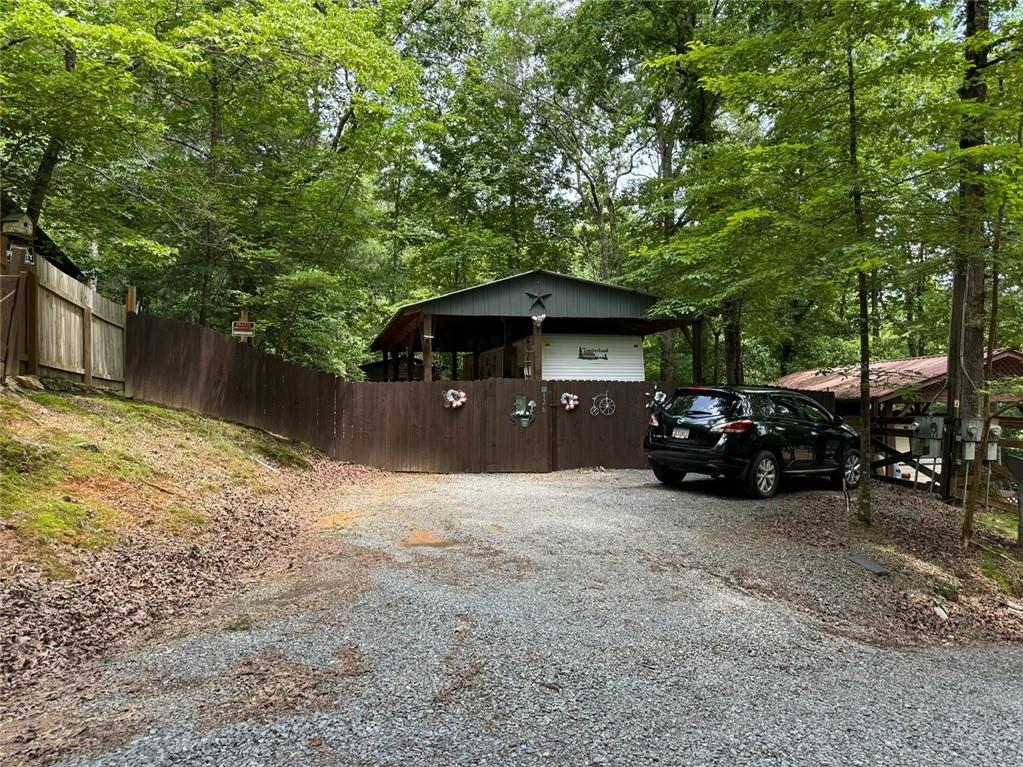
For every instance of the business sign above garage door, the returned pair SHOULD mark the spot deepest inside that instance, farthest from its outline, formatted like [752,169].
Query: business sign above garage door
[592,357]
[593,353]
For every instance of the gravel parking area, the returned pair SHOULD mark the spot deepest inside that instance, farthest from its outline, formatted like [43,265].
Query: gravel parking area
[578,618]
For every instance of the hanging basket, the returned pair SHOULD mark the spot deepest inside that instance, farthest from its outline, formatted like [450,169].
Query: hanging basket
[455,398]
[569,401]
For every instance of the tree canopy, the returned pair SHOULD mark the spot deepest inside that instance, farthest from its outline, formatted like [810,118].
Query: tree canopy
[318,162]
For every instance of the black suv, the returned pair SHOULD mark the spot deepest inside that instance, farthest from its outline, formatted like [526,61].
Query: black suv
[751,434]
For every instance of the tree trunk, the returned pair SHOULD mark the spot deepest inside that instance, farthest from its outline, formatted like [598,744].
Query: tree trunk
[717,356]
[977,475]
[43,177]
[966,330]
[863,508]
[209,230]
[733,343]
[51,156]
[697,335]
[666,338]
[614,255]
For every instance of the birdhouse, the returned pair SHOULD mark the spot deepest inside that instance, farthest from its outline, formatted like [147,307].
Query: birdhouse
[18,226]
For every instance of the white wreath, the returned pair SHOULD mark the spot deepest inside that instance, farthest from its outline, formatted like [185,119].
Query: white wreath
[455,398]
[569,401]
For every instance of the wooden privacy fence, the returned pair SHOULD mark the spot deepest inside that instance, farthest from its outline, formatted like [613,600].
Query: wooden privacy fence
[81,333]
[398,426]
[405,426]
[55,326]
[401,426]
[186,366]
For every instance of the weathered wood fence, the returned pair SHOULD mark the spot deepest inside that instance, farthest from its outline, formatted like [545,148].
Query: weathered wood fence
[54,326]
[81,333]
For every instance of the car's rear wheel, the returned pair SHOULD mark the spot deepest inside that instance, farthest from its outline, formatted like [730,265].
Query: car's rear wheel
[763,475]
[669,477]
[850,471]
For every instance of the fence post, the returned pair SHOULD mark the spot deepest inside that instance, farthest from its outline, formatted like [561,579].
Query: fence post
[87,345]
[32,331]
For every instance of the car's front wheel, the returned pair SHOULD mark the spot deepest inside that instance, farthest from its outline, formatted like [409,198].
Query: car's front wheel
[669,477]
[764,475]
[850,470]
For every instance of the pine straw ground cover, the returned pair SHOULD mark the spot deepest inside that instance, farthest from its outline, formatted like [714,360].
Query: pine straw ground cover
[117,515]
[938,591]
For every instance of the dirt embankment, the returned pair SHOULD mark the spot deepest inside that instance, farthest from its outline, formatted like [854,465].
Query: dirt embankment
[117,515]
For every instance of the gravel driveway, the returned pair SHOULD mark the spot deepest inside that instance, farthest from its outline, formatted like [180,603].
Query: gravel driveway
[578,618]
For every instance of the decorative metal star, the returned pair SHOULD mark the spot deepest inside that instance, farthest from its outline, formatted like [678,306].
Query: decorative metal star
[538,300]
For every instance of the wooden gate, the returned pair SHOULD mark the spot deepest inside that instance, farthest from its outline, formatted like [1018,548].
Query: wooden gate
[404,426]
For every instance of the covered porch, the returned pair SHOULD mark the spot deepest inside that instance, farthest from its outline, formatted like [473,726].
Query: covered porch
[501,329]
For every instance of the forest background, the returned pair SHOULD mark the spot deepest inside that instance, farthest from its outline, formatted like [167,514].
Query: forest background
[795,172]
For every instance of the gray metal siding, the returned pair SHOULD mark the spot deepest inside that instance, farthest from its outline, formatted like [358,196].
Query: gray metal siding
[569,298]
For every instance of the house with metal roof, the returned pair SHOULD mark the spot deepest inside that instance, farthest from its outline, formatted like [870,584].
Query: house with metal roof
[909,380]
[536,325]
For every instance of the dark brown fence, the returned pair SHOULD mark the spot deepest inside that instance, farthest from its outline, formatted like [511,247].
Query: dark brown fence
[186,366]
[397,426]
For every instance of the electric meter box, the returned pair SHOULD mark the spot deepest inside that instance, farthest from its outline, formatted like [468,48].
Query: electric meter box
[994,434]
[926,437]
[929,426]
[970,428]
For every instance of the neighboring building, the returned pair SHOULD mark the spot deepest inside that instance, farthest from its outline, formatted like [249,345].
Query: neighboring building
[537,325]
[916,381]
[901,390]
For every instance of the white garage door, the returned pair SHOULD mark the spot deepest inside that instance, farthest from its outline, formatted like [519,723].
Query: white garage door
[592,358]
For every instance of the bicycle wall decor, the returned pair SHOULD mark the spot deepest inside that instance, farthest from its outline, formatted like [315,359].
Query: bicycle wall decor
[603,405]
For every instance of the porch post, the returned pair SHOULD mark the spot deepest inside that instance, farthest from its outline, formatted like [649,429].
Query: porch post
[427,347]
[537,351]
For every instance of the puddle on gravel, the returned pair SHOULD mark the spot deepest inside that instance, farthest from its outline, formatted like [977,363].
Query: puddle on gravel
[424,538]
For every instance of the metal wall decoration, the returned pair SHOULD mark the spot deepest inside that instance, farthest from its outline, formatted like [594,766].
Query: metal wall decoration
[525,411]
[603,405]
[455,398]
[569,401]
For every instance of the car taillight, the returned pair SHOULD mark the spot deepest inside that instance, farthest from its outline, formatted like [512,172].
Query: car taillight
[733,427]
[652,421]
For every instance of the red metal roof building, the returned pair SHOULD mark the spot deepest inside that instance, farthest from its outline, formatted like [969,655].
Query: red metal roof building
[913,379]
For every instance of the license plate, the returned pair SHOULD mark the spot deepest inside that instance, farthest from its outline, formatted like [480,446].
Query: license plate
[679,433]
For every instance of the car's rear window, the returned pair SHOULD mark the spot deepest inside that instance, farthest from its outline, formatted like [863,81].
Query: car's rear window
[700,403]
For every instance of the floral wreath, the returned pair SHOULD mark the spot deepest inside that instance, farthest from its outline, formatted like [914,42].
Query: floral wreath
[569,401]
[455,398]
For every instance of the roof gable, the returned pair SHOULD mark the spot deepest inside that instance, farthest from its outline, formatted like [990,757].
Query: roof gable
[540,292]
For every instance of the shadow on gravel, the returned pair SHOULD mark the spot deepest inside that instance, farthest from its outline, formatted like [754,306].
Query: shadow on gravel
[723,488]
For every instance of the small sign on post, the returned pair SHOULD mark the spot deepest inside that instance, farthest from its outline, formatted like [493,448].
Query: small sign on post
[243,328]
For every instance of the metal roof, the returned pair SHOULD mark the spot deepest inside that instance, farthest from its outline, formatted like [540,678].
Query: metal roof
[888,378]
[562,296]
[558,296]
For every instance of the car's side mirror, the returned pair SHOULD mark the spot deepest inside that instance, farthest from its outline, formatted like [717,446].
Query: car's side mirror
[837,420]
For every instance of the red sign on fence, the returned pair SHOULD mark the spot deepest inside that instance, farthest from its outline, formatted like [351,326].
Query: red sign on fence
[244,328]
